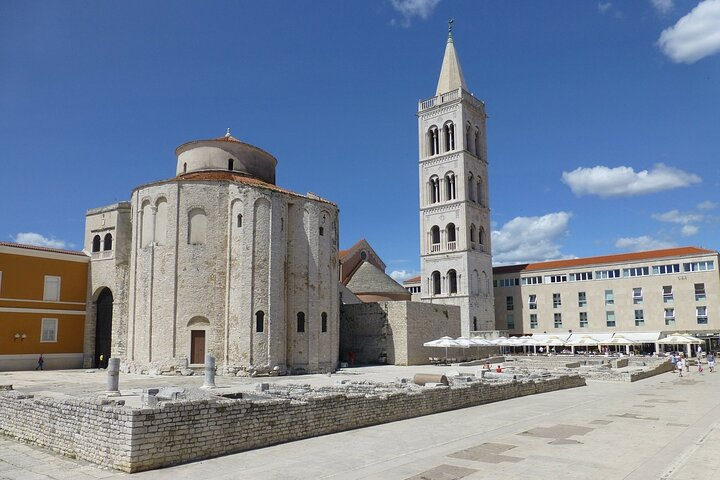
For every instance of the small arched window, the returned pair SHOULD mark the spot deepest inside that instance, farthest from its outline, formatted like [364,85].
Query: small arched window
[449,134]
[435,238]
[184,167]
[96,243]
[481,236]
[300,322]
[433,142]
[451,237]
[471,187]
[477,142]
[324,325]
[239,220]
[475,323]
[231,164]
[479,194]
[452,281]
[260,321]
[107,242]
[434,186]
[363,255]
[472,234]
[469,139]
[450,192]
[322,231]
[435,279]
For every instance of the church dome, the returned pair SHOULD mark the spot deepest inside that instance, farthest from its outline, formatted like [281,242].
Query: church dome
[225,154]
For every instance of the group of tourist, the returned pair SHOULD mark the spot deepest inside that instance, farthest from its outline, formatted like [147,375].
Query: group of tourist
[680,361]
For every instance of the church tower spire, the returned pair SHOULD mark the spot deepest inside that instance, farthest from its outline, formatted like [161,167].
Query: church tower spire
[455,254]
[451,76]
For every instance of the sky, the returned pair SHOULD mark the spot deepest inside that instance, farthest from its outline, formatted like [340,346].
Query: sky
[603,131]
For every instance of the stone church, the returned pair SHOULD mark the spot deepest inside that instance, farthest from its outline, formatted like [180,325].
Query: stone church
[217,260]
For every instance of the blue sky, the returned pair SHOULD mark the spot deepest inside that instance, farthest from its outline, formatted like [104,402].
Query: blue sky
[603,134]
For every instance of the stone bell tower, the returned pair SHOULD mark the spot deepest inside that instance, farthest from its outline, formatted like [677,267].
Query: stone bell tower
[455,253]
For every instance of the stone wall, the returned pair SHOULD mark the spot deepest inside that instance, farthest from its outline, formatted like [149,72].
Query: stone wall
[134,440]
[396,331]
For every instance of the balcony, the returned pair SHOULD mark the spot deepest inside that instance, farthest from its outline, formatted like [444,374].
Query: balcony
[452,245]
[435,247]
[449,97]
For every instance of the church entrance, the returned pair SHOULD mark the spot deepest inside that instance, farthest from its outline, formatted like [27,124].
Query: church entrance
[103,328]
[197,347]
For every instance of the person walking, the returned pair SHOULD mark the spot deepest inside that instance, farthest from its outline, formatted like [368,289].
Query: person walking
[711,361]
[680,363]
[40,363]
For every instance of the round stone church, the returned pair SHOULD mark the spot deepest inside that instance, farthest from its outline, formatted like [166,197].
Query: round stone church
[217,261]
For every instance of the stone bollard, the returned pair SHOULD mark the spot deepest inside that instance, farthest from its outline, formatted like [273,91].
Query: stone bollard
[113,377]
[209,381]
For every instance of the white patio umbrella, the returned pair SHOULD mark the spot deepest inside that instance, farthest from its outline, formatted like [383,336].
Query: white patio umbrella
[584,341]
[618,339]
[679,339]
[443,342]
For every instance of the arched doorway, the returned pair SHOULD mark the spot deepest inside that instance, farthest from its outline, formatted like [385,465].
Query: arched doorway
[103,328]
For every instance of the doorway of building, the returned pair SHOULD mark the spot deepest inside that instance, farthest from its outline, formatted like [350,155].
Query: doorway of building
[103,328]
[197,347]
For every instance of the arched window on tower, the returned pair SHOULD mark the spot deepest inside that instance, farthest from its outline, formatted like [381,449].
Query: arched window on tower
[96,243]
[469,139]
[452,281]
[481,238]
[433,142]
[450,191]
[301,322]
[323,322]
[435,280]
[184,167]
[451,237]
[477,142]
[239,220]
[472,235]
[471,187]
[435,238]
[434,187]
[107,242]
[231,164]
[260,321]
[479,194]
[449,136]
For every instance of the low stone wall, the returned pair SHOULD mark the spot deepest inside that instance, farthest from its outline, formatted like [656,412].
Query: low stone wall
[134,440]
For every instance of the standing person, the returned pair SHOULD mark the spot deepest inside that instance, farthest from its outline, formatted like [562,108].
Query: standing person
[679,364]
[40,363]
[711,362]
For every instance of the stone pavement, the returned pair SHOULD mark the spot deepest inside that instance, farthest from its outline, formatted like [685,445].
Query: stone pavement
[664,427]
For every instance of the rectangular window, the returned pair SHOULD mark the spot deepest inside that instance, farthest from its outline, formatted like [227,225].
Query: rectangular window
[637,296]
[666,269]
[533,320]
[636,271]
[639,318]
[669,316]
[667,294]
[510,321]
[52,289]
[531,280]
[556,300]
[532,302]
[555,278]
[609,297]
[610,319]
[699,292]
[48,330]
[581,276]
[603,274]
[699,266]
[583,320]
[509,282]
[582,299]
[558,320]
[509,304]
[701,313]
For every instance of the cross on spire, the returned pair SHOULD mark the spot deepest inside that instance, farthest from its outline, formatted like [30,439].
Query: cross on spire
[450,27]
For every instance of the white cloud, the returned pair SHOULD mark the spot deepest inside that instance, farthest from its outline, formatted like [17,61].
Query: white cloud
[694,36]
[645,242]
[689,230]
[401,275]
[663,6]
[603,7]
[414,8]
[530,239]
[706,205]
[624,181]
[32,238]
[676,216]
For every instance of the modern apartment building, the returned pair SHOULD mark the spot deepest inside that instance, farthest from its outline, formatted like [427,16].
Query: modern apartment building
[669,290]
[43,305]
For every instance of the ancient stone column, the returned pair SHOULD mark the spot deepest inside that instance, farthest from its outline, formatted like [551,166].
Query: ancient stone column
[209,381]
[113,376]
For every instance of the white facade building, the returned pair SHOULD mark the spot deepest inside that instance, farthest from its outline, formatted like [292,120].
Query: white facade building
[455,251]
[219,260]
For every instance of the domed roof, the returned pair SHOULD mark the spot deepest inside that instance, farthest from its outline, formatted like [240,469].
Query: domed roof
[225,153]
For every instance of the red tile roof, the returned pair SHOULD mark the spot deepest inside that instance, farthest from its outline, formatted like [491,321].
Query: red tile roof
[412,280]
[606,259]
[42,249]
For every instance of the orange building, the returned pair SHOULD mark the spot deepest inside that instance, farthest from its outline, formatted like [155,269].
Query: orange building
[43,306]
